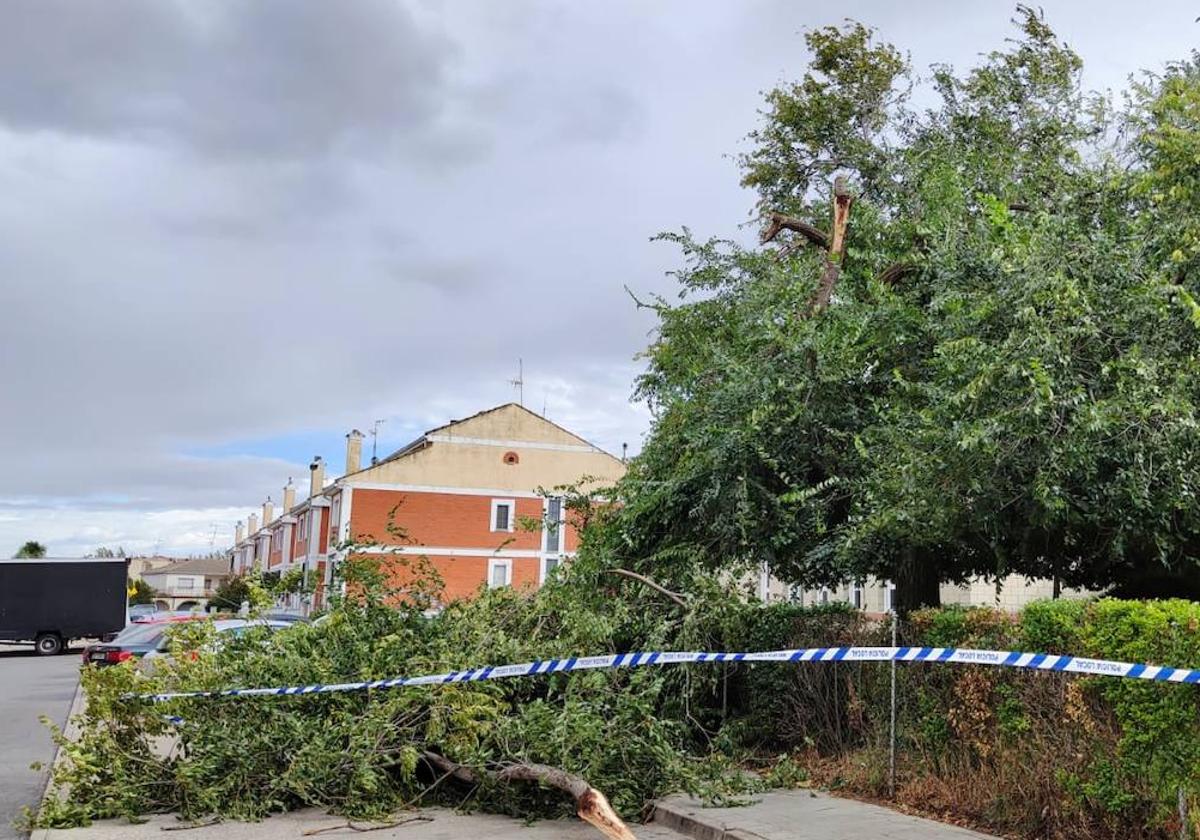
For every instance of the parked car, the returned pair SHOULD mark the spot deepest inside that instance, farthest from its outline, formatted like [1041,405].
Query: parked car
[284,616]
[227,628]
[142,612]
[134,642]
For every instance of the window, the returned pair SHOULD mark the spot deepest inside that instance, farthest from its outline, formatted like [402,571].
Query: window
[856,595]
[824,595]
[499,573]
[549,564]
[553,525]
[889,596]
[503,514]
[796,595]
[303,525]
[187,583]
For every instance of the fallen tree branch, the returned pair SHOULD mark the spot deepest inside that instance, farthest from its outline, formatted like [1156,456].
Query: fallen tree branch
[312,832]
[896,272]
[662,590]
[781,221]
[591,805]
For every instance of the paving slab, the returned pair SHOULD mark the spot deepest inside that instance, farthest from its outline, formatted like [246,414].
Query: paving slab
[801,815]
[424,824]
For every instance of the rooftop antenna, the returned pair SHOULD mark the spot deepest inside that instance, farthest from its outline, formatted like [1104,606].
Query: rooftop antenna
[375,441]
[519,382]
[543,405]
[212,537]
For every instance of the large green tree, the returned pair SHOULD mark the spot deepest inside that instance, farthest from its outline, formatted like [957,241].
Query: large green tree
[986,364]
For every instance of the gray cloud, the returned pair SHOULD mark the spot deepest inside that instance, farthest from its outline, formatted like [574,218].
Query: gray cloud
[273,79]
[224,221]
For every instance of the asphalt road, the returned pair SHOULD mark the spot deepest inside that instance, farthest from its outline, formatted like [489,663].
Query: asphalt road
[30,686]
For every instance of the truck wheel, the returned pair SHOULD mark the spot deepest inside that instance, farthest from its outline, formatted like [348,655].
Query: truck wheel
[48,644]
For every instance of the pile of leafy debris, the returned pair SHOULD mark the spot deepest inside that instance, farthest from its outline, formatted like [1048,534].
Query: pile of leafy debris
[633,734]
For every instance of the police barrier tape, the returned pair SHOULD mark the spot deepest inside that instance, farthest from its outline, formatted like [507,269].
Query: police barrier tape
[998,658]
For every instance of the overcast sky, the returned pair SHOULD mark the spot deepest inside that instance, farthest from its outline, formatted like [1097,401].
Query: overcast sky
[232,231]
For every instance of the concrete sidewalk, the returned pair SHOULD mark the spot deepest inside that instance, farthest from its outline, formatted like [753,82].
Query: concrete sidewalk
[800,815]
[779,815]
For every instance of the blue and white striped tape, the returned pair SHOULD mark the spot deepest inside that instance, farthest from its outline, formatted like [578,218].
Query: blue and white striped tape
[965,656]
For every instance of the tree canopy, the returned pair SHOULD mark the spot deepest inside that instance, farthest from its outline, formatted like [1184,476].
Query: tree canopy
[997,374]
[31,549]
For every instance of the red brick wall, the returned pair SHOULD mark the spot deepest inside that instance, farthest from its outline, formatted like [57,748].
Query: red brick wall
[455,521]
[441,519]
[461,576]
[275,557]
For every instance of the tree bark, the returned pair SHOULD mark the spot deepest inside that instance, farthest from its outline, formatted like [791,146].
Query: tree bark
[591,805]
[662,590]
[917,582]
[842,199]
[780,222]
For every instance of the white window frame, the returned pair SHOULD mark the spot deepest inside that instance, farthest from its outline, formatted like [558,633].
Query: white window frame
[562,536]
[303,526]
[543,571]
[889,596]
[512,515]
[858,595]
[825,596]
[503,563]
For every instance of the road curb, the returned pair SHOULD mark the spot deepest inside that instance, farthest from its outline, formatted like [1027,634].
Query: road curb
[70,731]
[684,819]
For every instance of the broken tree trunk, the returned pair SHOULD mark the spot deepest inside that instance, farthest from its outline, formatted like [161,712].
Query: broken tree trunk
[590,804]
[842,199]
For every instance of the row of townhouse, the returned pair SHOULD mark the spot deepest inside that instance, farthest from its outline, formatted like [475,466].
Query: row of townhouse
[469,497]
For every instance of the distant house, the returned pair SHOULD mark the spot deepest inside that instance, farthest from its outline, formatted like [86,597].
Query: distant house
[186,584]
[464,497]
[139,566]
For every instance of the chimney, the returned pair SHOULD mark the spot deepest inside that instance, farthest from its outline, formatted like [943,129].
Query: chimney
[316,478]
[268,511]
[289,496]
[354,451]
[252,524]
[239,533]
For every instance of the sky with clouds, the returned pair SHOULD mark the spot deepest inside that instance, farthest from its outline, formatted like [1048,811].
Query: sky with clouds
[231,231]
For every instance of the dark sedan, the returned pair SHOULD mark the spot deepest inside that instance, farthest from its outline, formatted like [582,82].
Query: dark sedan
[134,642]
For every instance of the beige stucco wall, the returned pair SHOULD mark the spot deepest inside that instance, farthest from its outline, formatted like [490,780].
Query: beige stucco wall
[454,459]
[1015,593]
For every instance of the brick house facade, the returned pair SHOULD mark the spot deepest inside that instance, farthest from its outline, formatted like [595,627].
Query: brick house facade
[464,497]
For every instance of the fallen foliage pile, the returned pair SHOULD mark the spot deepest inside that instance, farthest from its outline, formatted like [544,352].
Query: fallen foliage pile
[1036,754]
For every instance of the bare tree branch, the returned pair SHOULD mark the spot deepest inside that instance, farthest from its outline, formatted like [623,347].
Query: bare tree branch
[781,221]
[657,307]
[662,590]
[896,272]
[591,805]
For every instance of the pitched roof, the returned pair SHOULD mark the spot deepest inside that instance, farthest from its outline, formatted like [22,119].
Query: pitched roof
[195,566]
[423,440]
